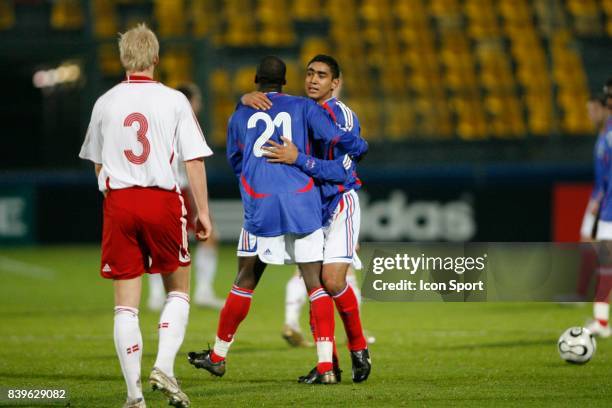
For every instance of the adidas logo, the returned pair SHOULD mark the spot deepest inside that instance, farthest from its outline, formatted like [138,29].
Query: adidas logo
[268,252]
[106,268]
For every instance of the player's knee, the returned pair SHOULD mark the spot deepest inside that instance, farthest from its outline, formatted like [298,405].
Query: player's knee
[333,283]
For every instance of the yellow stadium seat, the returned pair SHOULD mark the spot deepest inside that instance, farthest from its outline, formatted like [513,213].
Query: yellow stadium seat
[398,118]
[171,18]
[312,46]
[67,15]
[205,17]
[244,80]
[7,14]
[176,66]
[295,78]
[108,60]
[220,83]
[307,10]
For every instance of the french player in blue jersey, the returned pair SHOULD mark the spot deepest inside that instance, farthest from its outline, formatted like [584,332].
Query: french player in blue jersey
[599,326]
[331,165]
[598,116]
[283,217]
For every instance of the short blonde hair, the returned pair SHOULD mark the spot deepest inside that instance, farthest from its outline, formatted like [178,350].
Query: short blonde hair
[138,48]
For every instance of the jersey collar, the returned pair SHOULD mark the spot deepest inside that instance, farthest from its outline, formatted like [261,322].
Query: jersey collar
[138,79]
[330,99]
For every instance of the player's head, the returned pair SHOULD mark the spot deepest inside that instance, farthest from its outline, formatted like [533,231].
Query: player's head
[596,108]
[322,77]
[270,74]
[138,49]
[193,94]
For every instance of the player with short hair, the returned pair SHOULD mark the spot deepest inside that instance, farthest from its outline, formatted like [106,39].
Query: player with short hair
[339,183]
[598,115]
[603,168]
[282,211]
[137,130]
[206,253]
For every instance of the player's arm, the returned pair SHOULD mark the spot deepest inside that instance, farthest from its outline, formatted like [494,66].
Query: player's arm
[196,174]
[333,171]
[325,129]
[193,148]
[256,100]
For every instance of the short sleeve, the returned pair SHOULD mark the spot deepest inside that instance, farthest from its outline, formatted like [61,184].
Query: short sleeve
[190,138]
[92,146]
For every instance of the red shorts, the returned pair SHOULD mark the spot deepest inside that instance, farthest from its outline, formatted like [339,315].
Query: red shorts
[144,231]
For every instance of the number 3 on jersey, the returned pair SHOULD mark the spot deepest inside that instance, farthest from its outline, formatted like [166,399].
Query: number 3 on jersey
[282,119]
[141,136]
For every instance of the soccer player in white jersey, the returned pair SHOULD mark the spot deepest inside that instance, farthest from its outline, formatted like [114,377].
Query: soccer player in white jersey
[206,254]
[137,129]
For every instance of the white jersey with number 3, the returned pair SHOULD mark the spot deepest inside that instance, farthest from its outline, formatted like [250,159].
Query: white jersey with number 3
[137,130]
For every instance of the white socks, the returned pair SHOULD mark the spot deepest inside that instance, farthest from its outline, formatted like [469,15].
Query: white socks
[295,297]
[222,347]
[206,267]
[172,326]
[128,343]
[601,312]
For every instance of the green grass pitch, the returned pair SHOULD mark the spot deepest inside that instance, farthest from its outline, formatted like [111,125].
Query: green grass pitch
[56,322]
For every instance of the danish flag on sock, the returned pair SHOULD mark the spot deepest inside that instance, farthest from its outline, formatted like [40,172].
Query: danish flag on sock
[133,349]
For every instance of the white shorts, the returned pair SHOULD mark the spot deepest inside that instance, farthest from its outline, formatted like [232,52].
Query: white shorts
[604,231]
[282,249]
[342,234]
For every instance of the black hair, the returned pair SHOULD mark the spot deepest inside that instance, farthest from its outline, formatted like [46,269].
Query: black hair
[271,72]
[330,62]
[189,90]
[598,98]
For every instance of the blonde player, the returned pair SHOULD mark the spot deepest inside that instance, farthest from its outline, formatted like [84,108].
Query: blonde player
[137,129]
[206,254]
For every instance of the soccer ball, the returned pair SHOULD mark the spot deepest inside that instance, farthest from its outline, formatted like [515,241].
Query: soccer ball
[576,345]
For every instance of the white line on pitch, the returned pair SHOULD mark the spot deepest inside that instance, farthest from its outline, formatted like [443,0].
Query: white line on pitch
[25,269]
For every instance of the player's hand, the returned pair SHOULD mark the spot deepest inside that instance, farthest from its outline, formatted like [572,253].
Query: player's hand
[280,153]
[256,100]
[203,227]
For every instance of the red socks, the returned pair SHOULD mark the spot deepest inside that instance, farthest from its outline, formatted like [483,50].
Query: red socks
[233,313]
[346,303]
[322,320]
